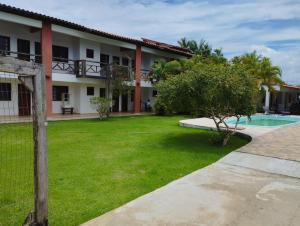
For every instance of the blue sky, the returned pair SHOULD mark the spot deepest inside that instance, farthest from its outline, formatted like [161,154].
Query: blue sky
[271,27]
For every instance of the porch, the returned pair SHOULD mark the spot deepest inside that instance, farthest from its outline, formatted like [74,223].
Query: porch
[281,99]
[60,117]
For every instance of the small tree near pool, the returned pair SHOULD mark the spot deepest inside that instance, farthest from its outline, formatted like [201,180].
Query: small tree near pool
[216,91]
[101,105]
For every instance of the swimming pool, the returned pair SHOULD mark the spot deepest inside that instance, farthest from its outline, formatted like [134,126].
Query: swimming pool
[266,120]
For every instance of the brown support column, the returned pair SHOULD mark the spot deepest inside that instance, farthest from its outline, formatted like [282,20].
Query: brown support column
[46,51]
[137,73]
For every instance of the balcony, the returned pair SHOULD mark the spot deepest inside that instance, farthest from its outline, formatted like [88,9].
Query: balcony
[83,68]
[145,75]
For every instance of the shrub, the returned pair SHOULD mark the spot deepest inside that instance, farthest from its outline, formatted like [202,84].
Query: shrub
[101,105]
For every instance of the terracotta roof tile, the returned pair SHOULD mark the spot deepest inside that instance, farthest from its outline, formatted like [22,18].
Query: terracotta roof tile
[64,23]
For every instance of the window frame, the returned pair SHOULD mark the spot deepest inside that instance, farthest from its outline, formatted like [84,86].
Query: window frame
[8,89]
[37,52]
[61,91]
[104,59]
[89,53]
[90,91]
[23,55]
[116,60]
[60,58]
[125,61]
[5,51]
[101,90]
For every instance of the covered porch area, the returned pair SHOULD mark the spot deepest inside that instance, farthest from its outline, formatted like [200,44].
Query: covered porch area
[281,99]
[60,117]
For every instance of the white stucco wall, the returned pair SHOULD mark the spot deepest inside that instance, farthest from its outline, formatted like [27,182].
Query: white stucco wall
[77,50]
[17,31]
[56,105]
[78,96]
[147,93]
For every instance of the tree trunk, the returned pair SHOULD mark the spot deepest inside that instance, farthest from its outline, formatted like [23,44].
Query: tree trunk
[226,139]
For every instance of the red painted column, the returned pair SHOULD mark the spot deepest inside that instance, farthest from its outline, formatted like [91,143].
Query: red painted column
[46,51]
[137,73]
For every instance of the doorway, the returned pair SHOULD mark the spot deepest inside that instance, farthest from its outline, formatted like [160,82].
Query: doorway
[24,100]
[115,107]
[125,102]
[23,47]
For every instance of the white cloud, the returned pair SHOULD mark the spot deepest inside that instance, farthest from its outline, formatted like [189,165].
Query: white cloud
[217,22]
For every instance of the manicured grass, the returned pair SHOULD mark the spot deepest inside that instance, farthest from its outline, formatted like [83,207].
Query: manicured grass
[96,166]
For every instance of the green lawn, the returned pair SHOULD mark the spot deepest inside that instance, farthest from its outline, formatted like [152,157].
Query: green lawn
[96,166]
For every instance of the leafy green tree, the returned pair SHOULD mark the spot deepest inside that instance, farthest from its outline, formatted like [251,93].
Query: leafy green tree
[216,91]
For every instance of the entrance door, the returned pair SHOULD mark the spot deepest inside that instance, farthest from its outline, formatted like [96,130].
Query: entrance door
[124,102]
[115,98]
[23,47]
[24,100]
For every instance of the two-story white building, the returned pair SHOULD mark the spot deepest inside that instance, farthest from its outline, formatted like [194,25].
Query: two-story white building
[73,57]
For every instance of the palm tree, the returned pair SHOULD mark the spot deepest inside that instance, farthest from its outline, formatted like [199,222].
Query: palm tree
[161,69]
[250,61]
[261,68]
[218,57]
[184,43]
[269,74]
[157,70]
[204,49]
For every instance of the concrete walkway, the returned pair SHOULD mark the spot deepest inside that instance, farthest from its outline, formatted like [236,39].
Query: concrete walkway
[257,185]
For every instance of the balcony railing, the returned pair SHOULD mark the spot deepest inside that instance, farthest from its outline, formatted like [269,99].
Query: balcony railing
[82,68]
[63,65]
[145,74]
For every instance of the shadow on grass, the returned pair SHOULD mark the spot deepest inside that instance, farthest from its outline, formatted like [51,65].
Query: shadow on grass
[201,141]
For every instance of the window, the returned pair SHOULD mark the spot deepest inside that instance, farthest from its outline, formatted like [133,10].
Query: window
[37,52]
[57,92]
[154,93]
[90,91]
[5,92]
[89,53]
[116,60]
[102,92]
[104,60]
[4,45]
[60,53]
[125,61]
[133,63]
[23,47]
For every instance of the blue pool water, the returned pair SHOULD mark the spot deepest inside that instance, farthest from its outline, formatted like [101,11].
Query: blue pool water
[266,120]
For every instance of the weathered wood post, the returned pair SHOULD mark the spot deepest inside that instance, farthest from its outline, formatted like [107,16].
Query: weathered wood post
[32,76]
[40,150]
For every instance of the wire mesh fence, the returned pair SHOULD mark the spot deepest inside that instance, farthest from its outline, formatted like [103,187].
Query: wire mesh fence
[16,151]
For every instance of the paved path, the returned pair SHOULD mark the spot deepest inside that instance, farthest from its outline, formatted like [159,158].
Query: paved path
[257,185]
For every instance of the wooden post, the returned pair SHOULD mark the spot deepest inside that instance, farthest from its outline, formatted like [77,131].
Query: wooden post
[32,76]
[40,151]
